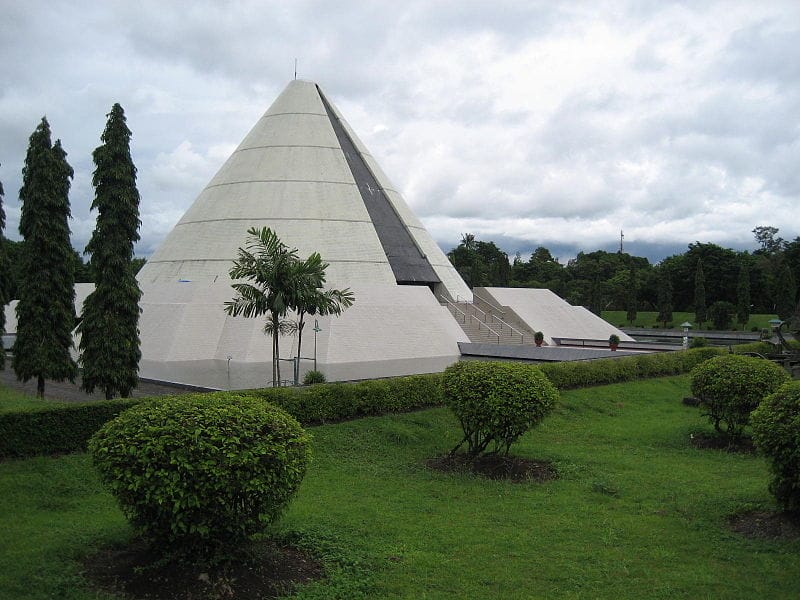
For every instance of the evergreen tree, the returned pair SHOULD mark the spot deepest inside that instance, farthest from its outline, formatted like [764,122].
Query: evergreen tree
[632,300]
[46,308]
[785,292]
[3,279]
[743,295]
[699,294]
[664,298]
[110,319]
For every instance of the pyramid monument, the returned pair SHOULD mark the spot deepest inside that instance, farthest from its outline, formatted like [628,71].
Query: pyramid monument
[303,172]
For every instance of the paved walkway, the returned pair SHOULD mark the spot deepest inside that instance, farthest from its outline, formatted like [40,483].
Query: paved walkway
[71,392]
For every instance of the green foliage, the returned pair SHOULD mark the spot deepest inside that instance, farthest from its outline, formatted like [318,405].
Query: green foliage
[46,311]
[55,430]
[538,337]
[699,294]
[743,295]
[279,282]
[568,375]
[312,377]
[480,263]
[721,314]
[199,475]
[785,292]
[664,297]
[731,386]
[632,295]
[613,339]
[496,402]
[776,432]
[698,342]
[109,327]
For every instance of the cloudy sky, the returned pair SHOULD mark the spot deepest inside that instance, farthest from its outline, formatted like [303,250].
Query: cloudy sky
[527,123]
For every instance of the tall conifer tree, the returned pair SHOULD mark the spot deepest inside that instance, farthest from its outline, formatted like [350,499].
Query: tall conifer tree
[631,295]
[743,295]
[110,326]
[664,298]
[699,294]
[46,308]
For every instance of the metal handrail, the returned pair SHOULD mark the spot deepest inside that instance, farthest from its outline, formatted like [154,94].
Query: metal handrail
[464,315]
[499,308]
[496,318]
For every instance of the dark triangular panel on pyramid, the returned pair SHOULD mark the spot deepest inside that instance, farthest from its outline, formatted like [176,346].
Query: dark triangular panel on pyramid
[409,264]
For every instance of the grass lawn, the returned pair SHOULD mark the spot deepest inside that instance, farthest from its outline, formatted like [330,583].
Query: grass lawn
[648,319]
[637,512]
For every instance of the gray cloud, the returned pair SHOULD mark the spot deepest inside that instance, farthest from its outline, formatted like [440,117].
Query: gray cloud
[525,122]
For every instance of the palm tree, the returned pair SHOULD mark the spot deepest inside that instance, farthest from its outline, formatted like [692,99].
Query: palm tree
[281,282]
[312,299]
[276,274]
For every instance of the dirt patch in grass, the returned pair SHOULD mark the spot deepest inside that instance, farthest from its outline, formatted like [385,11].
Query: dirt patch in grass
[766,524]
[134,572]
[713,441]
[511,468]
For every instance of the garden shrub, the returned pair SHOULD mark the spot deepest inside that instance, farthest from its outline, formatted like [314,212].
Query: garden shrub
[496,402]
[196,474]
[312,377]
[776,433]
[731,386]
[55,430]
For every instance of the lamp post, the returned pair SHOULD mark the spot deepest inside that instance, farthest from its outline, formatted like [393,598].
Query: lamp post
[316,331]
[686,326]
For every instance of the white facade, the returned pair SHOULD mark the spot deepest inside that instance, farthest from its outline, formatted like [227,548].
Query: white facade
[291,174]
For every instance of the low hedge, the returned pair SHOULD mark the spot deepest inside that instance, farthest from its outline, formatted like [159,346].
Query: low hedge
[67,428]
[568,375]
[55,430]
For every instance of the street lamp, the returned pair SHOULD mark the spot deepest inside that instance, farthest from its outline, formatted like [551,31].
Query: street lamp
[686,326]
[316,331]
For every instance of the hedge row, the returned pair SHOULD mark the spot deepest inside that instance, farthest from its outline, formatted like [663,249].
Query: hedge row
[55,430]
[332,402]
[568,375]
[764,348]
[68,428]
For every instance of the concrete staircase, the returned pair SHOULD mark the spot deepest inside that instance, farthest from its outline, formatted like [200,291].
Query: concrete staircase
[484,327]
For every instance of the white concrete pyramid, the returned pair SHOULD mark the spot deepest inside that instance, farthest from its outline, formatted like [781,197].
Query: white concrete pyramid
[291,173]
[303,172]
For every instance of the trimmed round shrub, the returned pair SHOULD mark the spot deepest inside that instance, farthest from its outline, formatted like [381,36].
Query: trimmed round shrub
[496,402]
[731,387]
[197,475]
[776,433]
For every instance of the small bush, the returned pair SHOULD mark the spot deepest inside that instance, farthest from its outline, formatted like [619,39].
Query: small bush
[196,474]
[312,377]
[776,432]
[698,342]
[731,386]
[496,402]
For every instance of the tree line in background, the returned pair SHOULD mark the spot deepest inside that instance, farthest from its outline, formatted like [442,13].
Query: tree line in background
[718,284]
[41,271]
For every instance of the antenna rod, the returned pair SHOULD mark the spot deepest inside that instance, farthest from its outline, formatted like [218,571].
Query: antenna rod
[621,237]
[295,69]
